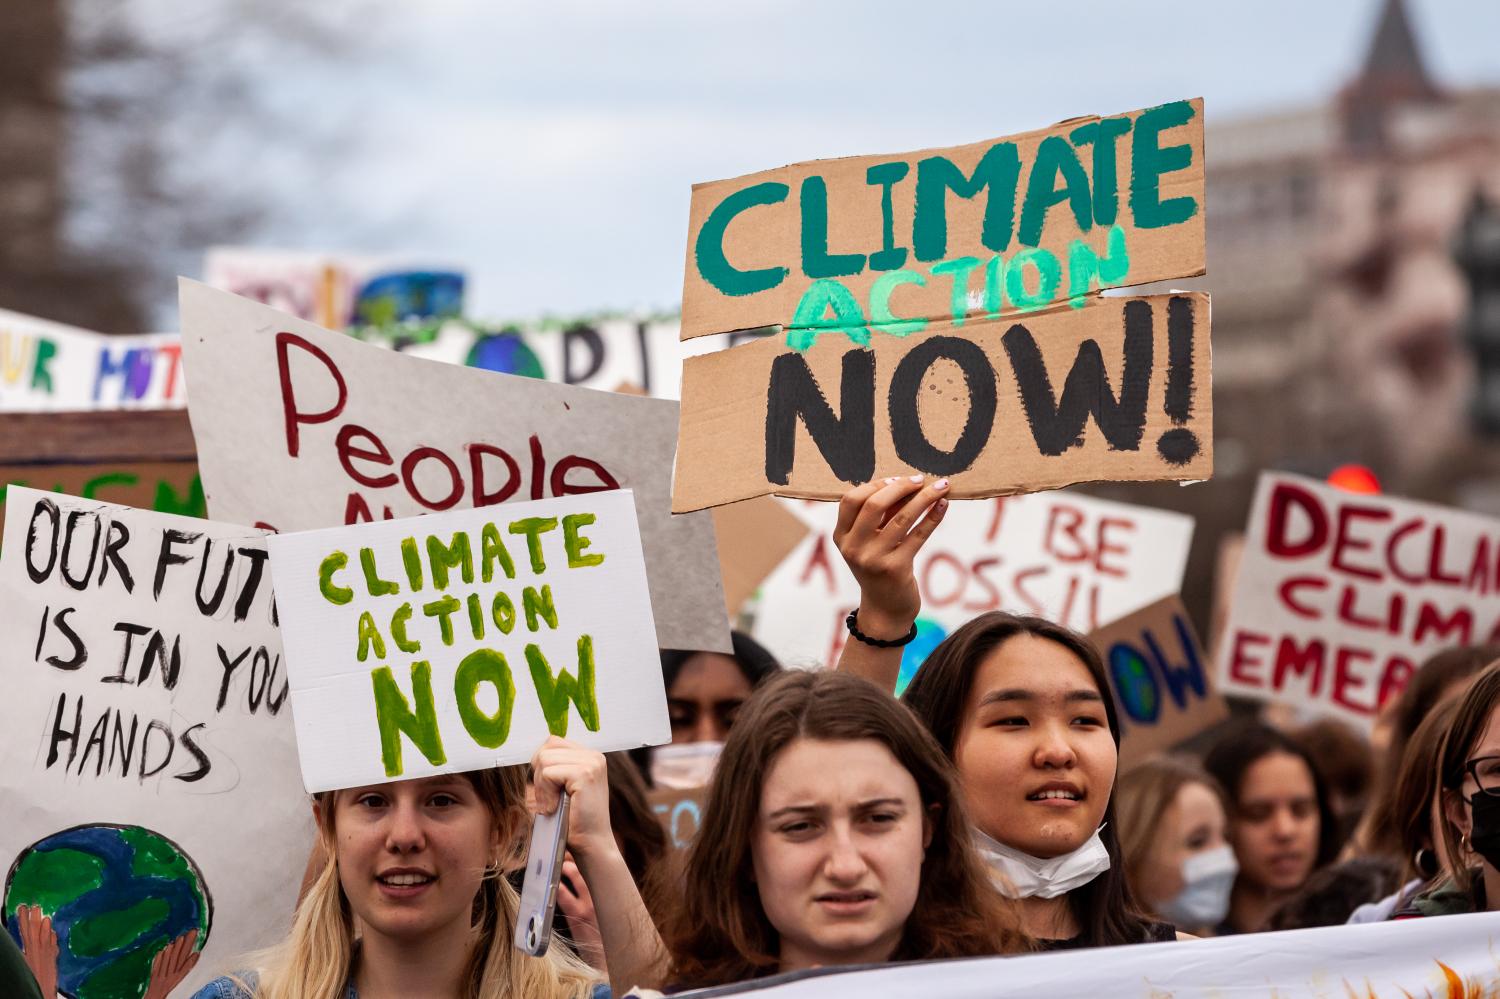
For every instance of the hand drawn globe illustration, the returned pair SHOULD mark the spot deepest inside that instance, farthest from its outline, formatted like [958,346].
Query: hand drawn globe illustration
[930,635]
[117,895]
[505,352]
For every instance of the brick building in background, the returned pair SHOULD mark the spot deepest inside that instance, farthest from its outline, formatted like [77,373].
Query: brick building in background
[1338,307]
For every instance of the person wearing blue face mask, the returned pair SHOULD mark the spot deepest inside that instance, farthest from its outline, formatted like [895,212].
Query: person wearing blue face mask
[1172,837]
[1469,775]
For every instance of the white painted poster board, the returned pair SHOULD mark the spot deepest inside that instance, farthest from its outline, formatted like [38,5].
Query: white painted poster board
[151,776]
[1080,561]
[1340,596]
[1451,956]
[458,641]
[299,428]
[47,366]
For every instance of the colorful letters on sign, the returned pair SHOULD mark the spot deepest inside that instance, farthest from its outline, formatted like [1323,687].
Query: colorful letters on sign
[49,366]
[1341,596]
[999,227]
[460,640]
[1080,561]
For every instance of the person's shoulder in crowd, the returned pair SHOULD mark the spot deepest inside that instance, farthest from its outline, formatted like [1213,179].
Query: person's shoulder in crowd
[1383,909]
[15,977]
[1444,899]
[240,986]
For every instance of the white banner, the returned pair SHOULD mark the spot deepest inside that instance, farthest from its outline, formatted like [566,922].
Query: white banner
[299,428]
[47,366]
[151,778]
[457,641]
[1079,561]
[1448,957]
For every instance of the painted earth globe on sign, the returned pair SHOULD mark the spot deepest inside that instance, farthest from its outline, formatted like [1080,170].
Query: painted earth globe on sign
[505,352]
[117,895]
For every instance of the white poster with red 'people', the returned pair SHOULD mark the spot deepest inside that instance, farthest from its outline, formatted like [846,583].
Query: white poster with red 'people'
[1077,560]
[1340,596]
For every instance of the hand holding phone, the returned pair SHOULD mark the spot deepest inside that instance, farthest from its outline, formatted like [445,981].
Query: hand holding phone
[544,862]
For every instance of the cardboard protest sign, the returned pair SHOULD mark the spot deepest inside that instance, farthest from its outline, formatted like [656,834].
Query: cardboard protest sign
[299,428]
[1162,682]
[49,366]
[1451,958]
[1118,389]
[1017,223]
[151,779]
[1341,595]
[164,486]
[680,812]
[1073,559]
[754,537]
[458,641]
[337,290]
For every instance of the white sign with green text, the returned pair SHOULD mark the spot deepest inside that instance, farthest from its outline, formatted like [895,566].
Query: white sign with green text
[458,641]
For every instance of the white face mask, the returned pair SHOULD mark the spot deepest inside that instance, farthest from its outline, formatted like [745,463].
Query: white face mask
[682,766]
[1020,875]
[1207,880]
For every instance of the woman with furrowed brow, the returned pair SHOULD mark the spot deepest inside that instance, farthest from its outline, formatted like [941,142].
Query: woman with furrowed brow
[833,834]
[1023,708]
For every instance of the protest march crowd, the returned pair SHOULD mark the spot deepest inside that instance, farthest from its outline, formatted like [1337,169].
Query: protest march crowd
[550,648]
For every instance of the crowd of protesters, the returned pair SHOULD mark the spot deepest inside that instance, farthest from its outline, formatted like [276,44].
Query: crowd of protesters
[981,813]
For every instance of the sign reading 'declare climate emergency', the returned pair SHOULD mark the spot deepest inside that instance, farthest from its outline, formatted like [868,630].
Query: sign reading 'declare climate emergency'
[1340,596]
[458,641]
[940,313]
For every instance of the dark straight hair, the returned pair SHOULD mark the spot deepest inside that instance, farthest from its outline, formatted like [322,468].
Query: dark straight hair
[1105,911]
[1243,746]
[754,660]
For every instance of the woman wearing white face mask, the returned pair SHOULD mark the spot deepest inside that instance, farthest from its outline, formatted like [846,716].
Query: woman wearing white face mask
[1172,836]
[1022,707]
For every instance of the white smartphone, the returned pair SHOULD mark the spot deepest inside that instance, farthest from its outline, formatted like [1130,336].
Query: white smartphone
[544,861]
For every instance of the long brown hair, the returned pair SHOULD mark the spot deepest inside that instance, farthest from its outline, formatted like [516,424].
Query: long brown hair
[1380,831]
[720,932]
[1104,909]
[1469,723]
[1415,794]
[1143,796]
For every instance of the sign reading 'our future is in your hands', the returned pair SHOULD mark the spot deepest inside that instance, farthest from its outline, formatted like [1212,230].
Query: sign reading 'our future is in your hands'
[458,641]
[940,314]
[150,794]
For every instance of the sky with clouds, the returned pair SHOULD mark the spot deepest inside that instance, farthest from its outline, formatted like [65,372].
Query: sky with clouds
[550,148]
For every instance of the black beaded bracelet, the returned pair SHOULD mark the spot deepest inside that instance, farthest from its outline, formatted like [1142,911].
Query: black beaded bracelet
[850,622]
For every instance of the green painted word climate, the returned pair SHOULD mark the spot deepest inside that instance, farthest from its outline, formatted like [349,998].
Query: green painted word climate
[1073,174]
[438,589]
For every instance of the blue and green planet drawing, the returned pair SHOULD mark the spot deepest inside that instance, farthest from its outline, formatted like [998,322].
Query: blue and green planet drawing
[117,895]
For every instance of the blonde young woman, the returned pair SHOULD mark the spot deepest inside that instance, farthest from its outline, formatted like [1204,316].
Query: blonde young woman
[417,865]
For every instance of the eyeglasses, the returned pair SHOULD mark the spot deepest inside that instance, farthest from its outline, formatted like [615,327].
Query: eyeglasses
[1486,773]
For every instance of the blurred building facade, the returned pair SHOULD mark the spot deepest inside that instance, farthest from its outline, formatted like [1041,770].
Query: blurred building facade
[1338,306]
